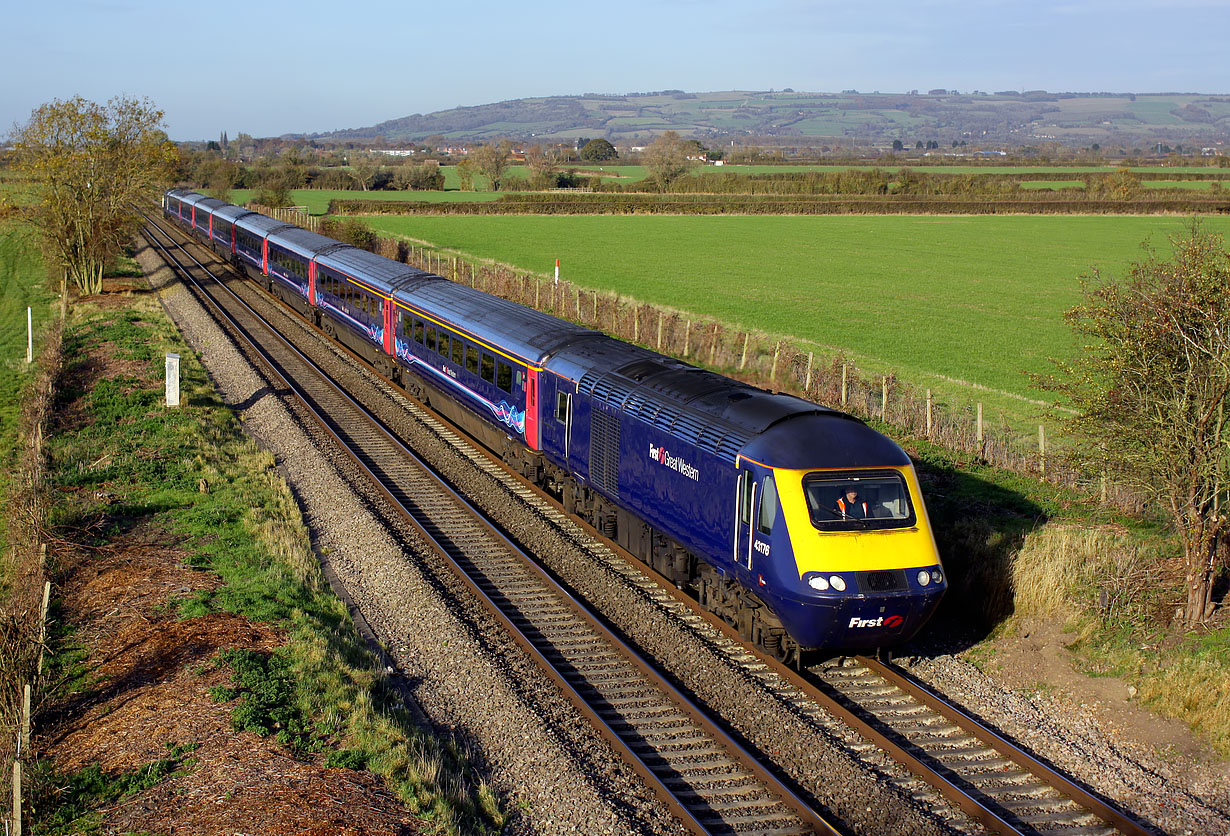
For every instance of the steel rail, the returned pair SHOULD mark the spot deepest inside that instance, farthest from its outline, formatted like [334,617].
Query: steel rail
[738,753]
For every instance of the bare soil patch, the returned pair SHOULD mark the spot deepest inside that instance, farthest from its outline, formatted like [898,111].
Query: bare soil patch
[148,683]
[1036,657]
[152,675]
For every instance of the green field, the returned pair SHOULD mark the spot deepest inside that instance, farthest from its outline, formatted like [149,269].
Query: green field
[21,285]
[965,305]
[317,200]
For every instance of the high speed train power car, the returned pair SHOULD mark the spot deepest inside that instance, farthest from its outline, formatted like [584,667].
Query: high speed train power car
[797,524]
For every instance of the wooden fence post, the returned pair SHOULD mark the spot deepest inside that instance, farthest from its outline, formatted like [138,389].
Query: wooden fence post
[16,798]
[636,324]
[807,376]
[42,627]
[659,330]
[928,413]
[844,389]
[713,345]
[687,336]
[23,747]
[884,398]
[1042,449]
[979,429]
[777,350]
[747,336]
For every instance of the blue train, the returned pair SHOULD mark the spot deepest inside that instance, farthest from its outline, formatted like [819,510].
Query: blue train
[797,524]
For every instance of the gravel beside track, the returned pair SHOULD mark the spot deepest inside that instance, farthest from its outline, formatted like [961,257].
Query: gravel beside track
[556,775]
[1160,787]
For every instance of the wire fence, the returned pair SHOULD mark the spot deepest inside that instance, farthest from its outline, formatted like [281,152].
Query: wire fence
[774,363]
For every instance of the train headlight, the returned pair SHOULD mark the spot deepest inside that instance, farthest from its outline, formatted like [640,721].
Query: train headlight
[838,583]
[937,576]
[818,583]
[924,577]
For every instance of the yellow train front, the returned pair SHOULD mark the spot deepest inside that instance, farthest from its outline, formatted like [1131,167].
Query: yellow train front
[832,533]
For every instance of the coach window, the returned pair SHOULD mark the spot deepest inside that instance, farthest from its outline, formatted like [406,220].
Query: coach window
[418,331]
[459,348]
[431,337]
[472,354]
[768,506]
[561,407]
[745,502]
[488,368]
[504,380]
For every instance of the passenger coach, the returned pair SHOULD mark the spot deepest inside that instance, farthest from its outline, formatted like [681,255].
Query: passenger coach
[729,491]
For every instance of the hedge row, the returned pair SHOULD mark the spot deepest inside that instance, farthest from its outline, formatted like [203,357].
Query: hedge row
[707,204]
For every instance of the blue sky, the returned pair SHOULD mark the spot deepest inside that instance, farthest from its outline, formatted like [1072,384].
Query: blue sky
[275,67]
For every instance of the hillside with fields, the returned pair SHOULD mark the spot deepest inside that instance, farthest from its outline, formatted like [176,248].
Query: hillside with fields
[1005,118]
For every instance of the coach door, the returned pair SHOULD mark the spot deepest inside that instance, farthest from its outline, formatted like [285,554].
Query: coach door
[563,417]
[745,512]
[531,409]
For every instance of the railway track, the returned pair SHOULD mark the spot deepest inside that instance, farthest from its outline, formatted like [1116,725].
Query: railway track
[700,771]
[993,781]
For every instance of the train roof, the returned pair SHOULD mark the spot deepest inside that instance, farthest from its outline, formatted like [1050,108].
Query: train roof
[212,204]
[231,212]
[260,225]
[714,412]
[302,241]
[193,198]
[826,440]
[387,274]
[519,330]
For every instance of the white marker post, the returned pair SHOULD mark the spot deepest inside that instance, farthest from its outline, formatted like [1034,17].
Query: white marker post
[172,380]
[557,271]
[30,334]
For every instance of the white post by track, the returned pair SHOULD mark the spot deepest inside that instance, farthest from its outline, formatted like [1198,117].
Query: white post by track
[29,336]
[557,271]
[172,379]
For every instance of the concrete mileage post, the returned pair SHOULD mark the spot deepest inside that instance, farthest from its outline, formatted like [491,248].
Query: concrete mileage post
[172,379]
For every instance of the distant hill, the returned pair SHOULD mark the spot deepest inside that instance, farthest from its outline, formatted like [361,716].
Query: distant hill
[1005,118]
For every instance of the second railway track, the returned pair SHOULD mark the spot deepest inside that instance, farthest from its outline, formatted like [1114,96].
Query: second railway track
[954,759]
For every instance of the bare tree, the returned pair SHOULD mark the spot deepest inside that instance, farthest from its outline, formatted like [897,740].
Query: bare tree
[90,164]
[543,163]
[492,161]
[667,159]
[1151,391]
[363,170]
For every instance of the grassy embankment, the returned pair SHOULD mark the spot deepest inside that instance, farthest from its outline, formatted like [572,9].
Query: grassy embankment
[127,460]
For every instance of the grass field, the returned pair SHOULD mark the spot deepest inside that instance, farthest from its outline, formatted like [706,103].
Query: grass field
[21,285]
[965,305]
[317,200]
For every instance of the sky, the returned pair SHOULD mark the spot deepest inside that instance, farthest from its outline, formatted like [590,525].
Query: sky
[270,67]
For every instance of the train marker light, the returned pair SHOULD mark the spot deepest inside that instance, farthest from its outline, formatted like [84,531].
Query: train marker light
[937,576]
[924,577]
[818,583]
[838,583]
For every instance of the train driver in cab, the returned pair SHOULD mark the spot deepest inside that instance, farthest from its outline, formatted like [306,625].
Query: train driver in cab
[851,506]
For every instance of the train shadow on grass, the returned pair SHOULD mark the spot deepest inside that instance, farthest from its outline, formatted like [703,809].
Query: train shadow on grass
[980,525]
